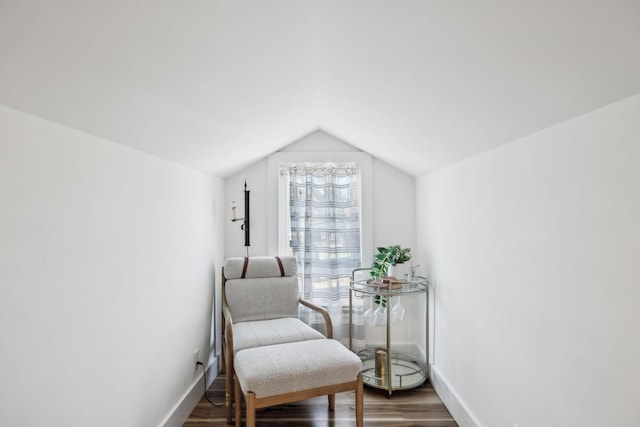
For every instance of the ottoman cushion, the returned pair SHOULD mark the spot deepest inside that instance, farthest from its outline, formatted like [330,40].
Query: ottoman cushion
[287,368]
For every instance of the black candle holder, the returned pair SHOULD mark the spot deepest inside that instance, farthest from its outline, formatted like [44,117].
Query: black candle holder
[245,223]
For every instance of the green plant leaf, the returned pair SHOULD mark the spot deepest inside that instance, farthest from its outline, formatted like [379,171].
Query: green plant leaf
[379,299]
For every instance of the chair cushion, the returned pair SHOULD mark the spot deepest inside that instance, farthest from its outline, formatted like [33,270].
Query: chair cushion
[259,266]
[268,332]
[286,368]
[262,299]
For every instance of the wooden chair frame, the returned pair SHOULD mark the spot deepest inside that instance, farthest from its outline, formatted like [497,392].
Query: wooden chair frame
[227,352]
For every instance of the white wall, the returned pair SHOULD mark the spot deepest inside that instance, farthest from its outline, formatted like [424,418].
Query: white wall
[391,211]
[108,259]
[394,207]
[535,249]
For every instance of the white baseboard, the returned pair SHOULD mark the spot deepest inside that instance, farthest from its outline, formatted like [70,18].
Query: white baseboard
[454,404]
[191,397]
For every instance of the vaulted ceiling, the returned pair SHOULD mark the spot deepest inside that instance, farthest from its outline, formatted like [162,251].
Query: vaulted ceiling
[218,84]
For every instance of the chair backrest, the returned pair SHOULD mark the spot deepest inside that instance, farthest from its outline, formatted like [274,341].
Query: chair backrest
[261,288]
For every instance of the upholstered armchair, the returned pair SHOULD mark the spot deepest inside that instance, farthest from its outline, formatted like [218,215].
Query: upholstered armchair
[260,302]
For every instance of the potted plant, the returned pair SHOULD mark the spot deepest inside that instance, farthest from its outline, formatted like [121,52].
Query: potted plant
[388,256]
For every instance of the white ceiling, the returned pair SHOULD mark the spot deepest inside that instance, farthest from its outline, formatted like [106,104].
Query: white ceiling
[216,85]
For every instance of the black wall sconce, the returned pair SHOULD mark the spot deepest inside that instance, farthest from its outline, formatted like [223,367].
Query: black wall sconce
[245,223]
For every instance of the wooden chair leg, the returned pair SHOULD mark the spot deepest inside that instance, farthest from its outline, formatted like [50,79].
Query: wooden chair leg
[238,404]
[250,411]
[228,393]
[359,403]
[332,402]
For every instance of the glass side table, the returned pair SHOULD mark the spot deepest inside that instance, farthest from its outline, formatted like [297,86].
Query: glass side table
[387,365]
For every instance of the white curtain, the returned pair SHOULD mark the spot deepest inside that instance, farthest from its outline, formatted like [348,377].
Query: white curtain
[324,236]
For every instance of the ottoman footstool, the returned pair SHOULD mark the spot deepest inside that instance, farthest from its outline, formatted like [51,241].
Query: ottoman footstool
[283,373]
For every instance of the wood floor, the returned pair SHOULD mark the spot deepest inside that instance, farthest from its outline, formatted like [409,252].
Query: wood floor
[418,407]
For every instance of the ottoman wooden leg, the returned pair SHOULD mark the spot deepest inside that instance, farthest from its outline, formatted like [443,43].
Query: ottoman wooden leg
[332,402]
[359,403]
[250,411]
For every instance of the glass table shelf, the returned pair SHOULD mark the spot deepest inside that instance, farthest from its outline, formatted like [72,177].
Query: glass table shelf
[407,371]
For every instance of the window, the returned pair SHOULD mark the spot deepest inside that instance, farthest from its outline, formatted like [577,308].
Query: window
[322,205]
[320,208]
[324,226]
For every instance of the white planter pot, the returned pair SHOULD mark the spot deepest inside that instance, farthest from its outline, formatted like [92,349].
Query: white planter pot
[399,271]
